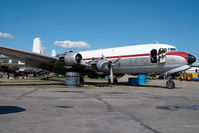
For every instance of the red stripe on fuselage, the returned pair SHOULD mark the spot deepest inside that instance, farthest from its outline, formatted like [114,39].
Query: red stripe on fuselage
[182,54]
[119,56]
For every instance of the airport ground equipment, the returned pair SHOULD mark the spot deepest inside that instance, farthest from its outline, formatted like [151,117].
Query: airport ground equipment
[133,81]
[139,80]
[189,76]
[72,79]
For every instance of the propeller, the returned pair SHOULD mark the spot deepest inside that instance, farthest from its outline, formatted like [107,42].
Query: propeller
[110,65]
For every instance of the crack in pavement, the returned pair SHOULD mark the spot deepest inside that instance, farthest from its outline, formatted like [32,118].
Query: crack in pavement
[112,109]
[34,90]
[108,106]
[143,124]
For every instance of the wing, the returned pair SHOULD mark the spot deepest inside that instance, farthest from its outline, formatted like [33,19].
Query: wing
[33,59]
[13,65]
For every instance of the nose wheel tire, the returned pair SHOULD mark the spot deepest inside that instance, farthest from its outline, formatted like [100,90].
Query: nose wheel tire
[170,84]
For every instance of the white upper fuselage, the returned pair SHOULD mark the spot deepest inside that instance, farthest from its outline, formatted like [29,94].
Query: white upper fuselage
[121,51]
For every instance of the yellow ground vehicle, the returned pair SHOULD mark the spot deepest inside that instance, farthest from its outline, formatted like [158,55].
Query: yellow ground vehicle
[195,76]
[189,76]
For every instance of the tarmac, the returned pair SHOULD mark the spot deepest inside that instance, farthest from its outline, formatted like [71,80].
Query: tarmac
[33,106]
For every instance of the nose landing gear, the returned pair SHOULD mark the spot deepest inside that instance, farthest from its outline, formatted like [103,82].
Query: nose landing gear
[170,84]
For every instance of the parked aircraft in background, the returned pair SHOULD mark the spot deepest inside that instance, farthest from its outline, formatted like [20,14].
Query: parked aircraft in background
[37,48]
[139,59]
[3,58]
[16,67]
[53,53]
[195,65]
[193,70]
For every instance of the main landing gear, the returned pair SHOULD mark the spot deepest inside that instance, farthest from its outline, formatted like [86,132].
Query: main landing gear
[115,81]
[170,84]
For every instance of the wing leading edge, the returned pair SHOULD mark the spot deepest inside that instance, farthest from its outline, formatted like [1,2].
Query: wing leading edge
[33,59]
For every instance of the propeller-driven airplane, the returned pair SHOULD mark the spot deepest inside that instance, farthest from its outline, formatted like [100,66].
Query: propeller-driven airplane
[138,59]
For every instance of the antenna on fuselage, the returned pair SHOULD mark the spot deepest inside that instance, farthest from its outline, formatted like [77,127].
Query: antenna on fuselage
[156,42]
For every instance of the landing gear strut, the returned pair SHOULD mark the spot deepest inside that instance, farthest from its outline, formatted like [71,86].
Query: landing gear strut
[170,84]
[115,81]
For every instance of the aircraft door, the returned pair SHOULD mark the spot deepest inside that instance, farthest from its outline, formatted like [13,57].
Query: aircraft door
[162,55]
[153,56]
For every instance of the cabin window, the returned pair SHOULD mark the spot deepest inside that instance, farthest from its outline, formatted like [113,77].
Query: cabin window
[196,70]
[153,56]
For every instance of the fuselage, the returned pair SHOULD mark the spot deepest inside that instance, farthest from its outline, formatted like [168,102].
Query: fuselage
[139,58]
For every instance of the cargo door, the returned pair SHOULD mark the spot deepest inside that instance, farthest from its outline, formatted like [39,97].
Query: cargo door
[162,55]
[153,56]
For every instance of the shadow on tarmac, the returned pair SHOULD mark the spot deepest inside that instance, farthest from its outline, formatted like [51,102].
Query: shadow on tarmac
[32,84]
[68,91]
[125,84]
[10,109]
[64,107]
[98,84]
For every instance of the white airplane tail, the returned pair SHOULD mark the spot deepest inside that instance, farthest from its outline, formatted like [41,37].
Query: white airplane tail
[37,46]
[53,53]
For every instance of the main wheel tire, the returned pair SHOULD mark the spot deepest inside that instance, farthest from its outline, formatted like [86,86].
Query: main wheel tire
[170,84]
[81,81]
[109,81]
[115,81]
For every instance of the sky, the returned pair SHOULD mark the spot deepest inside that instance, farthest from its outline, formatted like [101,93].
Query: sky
[99,24]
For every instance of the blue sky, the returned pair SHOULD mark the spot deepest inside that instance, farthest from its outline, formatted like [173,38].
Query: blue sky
[101,23]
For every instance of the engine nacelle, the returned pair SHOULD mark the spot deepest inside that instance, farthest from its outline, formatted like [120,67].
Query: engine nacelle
[70,58]
[103,65]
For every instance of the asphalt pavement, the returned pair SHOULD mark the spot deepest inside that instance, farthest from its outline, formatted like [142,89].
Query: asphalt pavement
[52,108]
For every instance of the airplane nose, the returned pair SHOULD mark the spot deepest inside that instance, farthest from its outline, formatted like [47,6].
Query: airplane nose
[191,59]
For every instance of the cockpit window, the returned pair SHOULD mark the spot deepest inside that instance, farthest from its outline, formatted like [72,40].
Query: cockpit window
[165,49]
[172,49]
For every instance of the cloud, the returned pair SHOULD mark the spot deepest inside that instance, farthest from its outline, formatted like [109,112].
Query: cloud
[6,35]
[69,44]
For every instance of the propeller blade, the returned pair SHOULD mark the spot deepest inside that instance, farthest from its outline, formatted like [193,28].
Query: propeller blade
[111,74]
[111,64]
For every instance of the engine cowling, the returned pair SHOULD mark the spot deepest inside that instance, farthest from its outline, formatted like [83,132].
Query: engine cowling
[70,58]
[103,65]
